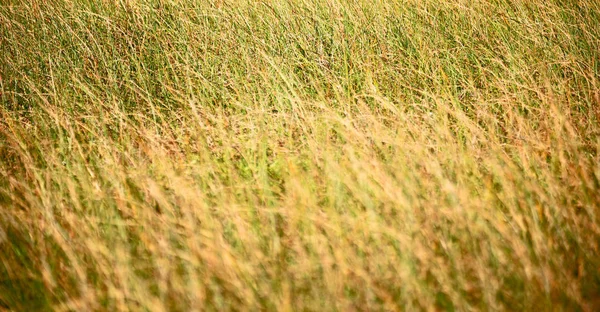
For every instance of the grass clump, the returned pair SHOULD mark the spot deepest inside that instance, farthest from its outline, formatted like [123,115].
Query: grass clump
[299,155]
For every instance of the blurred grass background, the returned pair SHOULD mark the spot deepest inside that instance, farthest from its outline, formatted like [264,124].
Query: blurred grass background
[319,155]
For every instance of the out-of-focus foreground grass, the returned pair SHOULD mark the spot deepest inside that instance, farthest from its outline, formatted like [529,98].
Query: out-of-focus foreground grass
[299,155]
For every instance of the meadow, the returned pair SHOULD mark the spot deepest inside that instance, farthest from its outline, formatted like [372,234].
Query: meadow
[299,155]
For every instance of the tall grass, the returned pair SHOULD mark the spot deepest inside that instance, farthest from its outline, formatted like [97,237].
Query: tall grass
[337,155]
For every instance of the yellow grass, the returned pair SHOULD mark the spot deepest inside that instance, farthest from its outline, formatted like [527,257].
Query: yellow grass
[299,155]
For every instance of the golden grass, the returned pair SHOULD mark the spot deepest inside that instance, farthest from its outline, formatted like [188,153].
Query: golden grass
[299,155]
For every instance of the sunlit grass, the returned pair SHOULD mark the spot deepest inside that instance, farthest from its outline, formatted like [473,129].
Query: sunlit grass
[299,155]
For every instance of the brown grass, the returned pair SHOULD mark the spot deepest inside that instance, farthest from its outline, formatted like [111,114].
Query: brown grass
[299,155]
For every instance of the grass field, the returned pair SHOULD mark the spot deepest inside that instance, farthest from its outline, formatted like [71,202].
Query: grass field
[299,155]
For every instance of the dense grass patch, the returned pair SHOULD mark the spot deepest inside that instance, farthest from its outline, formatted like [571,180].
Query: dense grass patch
[299,155]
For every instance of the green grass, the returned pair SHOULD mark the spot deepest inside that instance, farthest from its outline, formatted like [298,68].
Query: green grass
[295,155]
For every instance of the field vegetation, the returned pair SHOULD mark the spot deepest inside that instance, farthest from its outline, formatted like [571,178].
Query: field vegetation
[299,155]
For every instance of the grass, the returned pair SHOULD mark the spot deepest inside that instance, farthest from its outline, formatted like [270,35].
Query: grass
[175,155]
